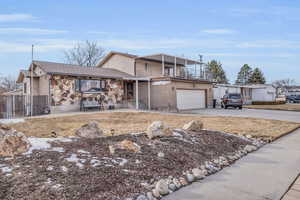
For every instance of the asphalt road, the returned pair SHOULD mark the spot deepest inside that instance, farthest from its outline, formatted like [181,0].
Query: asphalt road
[266,114]
[262,175]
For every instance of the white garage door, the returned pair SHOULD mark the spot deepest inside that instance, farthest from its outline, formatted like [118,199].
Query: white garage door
[190,99]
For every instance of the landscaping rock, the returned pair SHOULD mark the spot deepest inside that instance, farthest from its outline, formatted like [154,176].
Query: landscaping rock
[194,125]
[142,197]
[190,178]
[183,181]
[158,129]
[198,174]
[172,187]
[156,193]
[162,187]
[125,145]
[250,148]
[161,155]
[150,196]
[177,183]
[12,142]
[90,130]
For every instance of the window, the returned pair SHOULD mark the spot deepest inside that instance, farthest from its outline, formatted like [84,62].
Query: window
[146,67]
[90,85]
[25,88]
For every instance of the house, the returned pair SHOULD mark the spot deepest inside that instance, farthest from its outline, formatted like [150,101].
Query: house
[250,93]
[157,82]
[292,90]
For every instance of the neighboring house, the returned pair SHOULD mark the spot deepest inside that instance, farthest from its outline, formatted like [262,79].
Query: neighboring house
[292,90]
[250,93]
[158,82]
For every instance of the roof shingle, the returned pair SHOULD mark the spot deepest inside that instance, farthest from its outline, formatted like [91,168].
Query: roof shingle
[76,70]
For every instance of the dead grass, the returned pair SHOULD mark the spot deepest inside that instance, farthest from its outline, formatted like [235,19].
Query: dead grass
[287,107]
[132,122]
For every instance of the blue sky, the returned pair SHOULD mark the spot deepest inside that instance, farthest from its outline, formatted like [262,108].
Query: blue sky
[261,33]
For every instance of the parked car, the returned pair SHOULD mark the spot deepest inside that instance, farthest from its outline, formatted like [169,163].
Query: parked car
[232,100]
[293,99]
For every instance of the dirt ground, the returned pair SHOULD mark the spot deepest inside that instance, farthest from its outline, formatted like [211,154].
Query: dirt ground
[287,107]
[85,169]
[132,122]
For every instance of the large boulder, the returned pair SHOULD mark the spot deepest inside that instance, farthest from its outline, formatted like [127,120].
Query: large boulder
[90,130]
[12,142]
[158,129]
[194,125]
[125,145]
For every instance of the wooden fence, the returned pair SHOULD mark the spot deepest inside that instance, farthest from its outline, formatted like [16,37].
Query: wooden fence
[16,106]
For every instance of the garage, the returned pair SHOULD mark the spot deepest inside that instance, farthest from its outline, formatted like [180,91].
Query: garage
[190,99]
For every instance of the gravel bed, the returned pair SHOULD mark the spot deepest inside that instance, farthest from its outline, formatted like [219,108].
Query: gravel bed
[85,169]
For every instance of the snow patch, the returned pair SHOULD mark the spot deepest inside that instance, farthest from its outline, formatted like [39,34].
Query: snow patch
[95,162]
[83,151]
[43,144]
[76,160]
[50,168]
[11,121]
[63,168]
[6,169]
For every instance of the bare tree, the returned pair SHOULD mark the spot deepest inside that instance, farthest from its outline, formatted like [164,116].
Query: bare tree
[85,54]
[282,85]
[8,83]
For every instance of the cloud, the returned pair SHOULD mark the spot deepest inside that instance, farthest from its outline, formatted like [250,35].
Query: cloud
[275,55]
[41,45]
[219,31]
[16,17]
[163,43]
[33,31]
[270,44]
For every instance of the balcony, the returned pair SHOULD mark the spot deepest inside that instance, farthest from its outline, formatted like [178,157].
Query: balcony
[178,67]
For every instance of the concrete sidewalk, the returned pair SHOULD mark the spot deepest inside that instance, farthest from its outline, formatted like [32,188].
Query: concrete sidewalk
[263,175]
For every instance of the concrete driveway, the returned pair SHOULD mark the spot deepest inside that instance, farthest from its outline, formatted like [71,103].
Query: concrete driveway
[263,175]
[266,114]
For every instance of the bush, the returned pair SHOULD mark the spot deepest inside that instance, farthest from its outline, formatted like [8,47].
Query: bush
[268,102]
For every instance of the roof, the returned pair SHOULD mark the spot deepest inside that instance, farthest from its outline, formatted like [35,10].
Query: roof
[110,54]
[76,70]
[24,73]
[253,86]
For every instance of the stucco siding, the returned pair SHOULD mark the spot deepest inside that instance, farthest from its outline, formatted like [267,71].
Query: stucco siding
[121,63]
[153,69]
[44,85]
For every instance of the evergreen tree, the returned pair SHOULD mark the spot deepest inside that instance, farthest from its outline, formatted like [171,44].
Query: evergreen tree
[257,77]
[216,71]
[244,75]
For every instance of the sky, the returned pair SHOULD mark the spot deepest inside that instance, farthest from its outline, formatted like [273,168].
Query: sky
[261,33]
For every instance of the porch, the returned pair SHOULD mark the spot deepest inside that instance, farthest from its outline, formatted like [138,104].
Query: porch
[77,93]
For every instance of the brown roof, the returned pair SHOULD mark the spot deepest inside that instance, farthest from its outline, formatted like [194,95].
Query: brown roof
[76,70]
[110,54]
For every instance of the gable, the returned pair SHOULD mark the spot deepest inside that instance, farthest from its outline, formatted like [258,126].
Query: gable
[120,62]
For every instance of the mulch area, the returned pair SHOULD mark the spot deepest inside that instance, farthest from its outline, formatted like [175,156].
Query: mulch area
[85,169]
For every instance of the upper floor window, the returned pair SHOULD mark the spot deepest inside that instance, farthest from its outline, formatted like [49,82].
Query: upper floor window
[146,67]
[25,88]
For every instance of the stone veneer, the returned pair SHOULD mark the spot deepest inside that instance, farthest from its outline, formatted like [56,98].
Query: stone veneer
[63,92]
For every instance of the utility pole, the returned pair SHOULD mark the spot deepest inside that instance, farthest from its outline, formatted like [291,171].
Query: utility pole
[31,88]
[201,67]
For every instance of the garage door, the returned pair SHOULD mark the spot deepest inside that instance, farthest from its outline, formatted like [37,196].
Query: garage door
[190,99]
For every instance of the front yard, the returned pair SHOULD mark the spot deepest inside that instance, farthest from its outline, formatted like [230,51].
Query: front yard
[287,107]
[131,164]
[134,122]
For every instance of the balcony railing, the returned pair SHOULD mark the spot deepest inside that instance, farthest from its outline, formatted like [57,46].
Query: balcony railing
[191,74]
